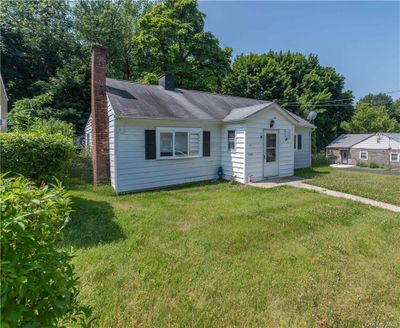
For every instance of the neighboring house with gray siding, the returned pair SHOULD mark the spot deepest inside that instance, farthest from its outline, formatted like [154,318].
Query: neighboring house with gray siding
[380,148]
[159,135]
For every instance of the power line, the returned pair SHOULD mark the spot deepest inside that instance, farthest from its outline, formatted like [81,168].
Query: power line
[331,103]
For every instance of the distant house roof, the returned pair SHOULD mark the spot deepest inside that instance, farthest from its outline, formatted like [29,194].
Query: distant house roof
[153,101]
[348,140]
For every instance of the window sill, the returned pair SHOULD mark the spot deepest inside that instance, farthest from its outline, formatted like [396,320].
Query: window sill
[177,157]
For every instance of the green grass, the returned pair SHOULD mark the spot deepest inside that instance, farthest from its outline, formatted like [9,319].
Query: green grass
[385,188]
[224,255]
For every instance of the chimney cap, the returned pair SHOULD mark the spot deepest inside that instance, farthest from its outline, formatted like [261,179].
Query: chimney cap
[98,46]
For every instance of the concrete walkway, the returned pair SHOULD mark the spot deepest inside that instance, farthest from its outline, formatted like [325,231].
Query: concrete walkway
[299,183]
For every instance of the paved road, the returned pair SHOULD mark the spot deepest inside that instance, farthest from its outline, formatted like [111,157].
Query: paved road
[376,171]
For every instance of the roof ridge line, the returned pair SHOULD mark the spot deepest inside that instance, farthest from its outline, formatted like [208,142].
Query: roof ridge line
[192,90]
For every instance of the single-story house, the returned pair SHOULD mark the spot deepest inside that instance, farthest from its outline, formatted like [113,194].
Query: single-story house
[151,136]
[380,148]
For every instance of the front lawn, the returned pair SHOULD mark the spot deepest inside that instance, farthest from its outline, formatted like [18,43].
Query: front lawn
[224,255]
[385,188]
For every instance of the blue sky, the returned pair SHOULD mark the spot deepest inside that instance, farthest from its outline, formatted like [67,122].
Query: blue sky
[361,40]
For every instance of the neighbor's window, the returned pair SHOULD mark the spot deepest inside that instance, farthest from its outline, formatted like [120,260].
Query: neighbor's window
[394,157]
[298,142]
[364,155]
[231,139]
[178,142]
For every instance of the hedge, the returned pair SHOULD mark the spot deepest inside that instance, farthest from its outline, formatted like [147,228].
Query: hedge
[39,288]
[38,156]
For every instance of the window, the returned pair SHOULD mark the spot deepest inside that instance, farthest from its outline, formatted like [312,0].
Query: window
[394,157]
[364,155]
[231,139]
[181,144]
[166,144]
[88,141]
[271,147]
[298,142]
[178,143]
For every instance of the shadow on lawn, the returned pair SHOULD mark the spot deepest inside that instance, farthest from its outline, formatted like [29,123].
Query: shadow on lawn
[91,224]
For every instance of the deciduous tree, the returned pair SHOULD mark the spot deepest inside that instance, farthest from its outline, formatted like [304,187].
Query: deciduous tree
[385,100]
[36,40]
[112,24]
[171,38]
[299,83]
[368,119]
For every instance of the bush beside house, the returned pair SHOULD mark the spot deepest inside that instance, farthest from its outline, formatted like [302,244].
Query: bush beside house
[39,288]
[38,156]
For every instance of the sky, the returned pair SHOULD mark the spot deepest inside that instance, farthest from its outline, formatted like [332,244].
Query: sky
[360,39]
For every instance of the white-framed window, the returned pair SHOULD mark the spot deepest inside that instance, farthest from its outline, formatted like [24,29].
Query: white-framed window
[298,142]
[394,157]
[231,140]
[173,143]
[364,155]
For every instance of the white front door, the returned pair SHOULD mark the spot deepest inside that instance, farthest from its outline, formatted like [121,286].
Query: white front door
[271,150]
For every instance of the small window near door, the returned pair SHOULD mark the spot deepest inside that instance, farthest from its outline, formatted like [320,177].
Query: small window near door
[364,155]
[231,139]
[394,157]
[299,142]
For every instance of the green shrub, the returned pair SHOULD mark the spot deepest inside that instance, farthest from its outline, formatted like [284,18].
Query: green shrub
[374,165]
[37,156]
[52,126]
[319,159]
[39,288]
[362,164]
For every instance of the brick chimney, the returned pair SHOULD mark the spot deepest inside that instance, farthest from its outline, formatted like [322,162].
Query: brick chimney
[100,145]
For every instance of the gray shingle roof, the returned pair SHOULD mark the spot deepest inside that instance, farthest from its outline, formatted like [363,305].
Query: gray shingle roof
[348,140]
[238,114]
[394,136]
[153,101]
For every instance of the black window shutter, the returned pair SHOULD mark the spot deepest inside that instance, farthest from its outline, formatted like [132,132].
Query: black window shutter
[206,143]
[150,144]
